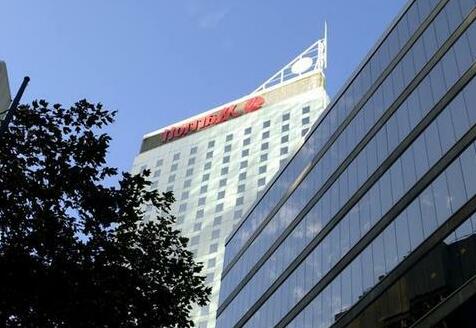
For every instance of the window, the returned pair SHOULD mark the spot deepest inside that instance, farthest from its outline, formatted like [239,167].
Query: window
[217,221]
[245,153]
[213,248]
[207,166]
[265,135]
[241,188]
[215,234]
[266,124]
[239,201]
[211,144]
[183,207]
[191,161]
[154,184]
[306,109]
[219,208]
[264,146]
[169,188]
[285,128]
[203,189]
[209,155]
[221,195]
[226,159]
[227,148]
[211,263]
[185,195]
[284,150]
[224,171]
[157,173]
[173,167]
[238,214]
[303,132]
[199,214]
[197,226]
[246,142]
[285,139]
[205,177]
[194,240]
[262,169]
[159,162]
[261,182]
[247,130]
[263,157]
[286,117]
[305,120]
[229,137]
[193,150]
[222,183]
[180,219]
[171,178]
[187,183]
[201,201]
[243,164]
[189,172]
[242,176]
[209,278]
[176,156]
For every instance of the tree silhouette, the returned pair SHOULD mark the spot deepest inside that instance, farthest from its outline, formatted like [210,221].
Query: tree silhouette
[75,252]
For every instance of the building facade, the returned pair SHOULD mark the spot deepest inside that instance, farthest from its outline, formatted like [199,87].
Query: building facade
[218,162]
[371,223]
[5,97]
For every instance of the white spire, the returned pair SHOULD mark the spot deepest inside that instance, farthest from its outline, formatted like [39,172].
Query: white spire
[312,59]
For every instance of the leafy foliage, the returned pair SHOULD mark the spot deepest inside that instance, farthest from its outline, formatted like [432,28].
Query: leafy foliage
[75,252]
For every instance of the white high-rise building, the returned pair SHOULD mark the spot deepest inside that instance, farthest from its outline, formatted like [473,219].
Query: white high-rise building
[218,162]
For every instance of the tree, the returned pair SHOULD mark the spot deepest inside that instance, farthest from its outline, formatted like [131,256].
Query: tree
[75,252]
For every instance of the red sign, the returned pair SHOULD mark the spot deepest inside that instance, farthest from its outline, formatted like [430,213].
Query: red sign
[220,116]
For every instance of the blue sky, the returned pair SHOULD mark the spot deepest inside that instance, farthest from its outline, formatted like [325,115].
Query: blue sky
[160,61]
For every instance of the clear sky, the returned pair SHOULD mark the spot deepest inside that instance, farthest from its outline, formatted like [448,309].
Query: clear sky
[160,61]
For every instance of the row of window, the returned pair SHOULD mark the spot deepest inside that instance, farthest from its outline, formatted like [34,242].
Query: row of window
[227,148]
[395,130]
[369,114]
[426,213]
[333,119]
[226,159]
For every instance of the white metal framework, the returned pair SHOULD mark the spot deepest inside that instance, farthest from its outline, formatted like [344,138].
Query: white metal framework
[312,59]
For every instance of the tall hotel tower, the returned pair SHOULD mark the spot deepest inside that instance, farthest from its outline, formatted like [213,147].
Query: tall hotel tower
[372,222]
[218,162]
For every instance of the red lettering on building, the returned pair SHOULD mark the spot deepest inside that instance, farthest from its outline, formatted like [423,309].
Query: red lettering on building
[220,116]
[254,104]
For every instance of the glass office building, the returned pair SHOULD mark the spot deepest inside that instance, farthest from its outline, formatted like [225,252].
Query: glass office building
[371,223]
[5,97]
[218,162]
